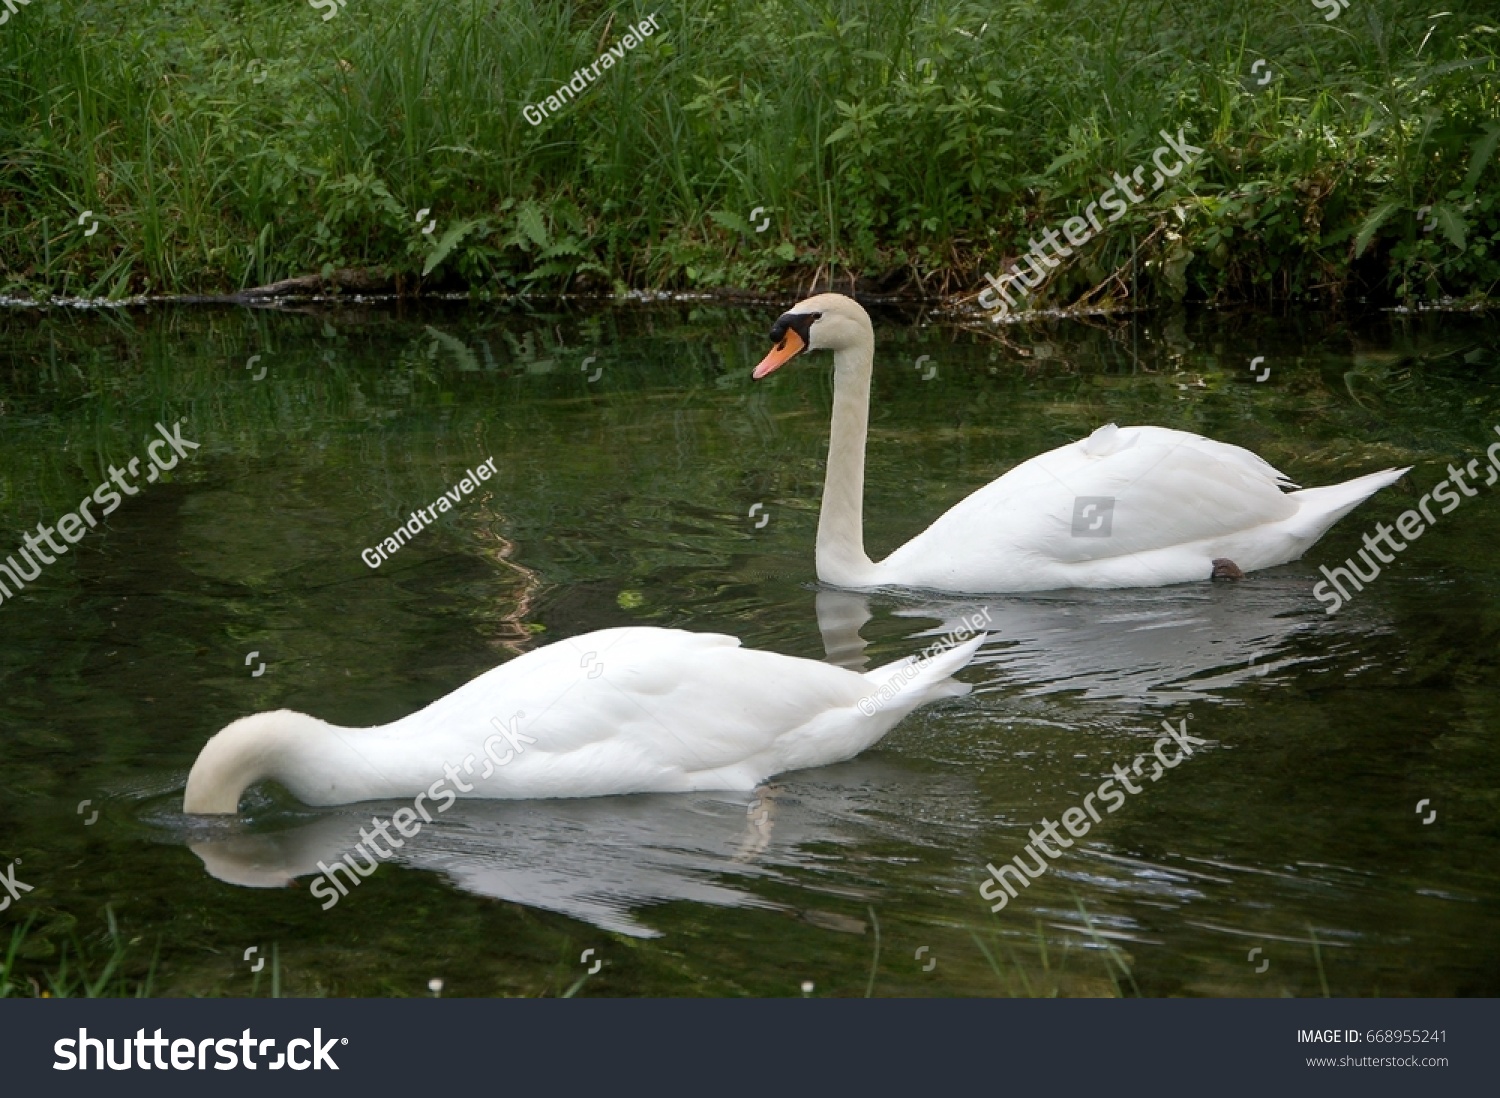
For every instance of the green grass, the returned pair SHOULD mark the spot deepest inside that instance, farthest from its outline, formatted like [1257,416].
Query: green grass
[1039,977]
[911,143]
[54,961]
[93,967]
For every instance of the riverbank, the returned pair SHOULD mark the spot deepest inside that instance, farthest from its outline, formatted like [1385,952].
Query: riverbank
[902,150]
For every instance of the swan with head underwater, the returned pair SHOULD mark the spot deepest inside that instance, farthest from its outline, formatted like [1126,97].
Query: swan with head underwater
[632,710]
[1125,507]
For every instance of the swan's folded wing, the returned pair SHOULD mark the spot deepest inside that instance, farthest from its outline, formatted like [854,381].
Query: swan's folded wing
[1120,491]
[704,707]
[642,698]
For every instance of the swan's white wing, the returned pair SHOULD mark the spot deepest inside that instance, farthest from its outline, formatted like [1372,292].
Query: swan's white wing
[1150,488]
[626,707]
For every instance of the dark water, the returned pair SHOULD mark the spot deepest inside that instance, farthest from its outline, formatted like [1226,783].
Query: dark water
[626,499]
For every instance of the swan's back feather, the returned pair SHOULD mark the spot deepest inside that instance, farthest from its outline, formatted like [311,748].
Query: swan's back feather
[628,710]
[1161,488]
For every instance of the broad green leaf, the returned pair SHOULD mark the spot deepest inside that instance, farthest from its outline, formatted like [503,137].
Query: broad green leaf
[446,243]
[1372,225]
[1484,148]
[1452,225]
[733,222]
[529,218]
[547,270]
[562,247]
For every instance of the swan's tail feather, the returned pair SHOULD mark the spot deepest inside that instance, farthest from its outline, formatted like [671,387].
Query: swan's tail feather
[919,679]
[1320,508]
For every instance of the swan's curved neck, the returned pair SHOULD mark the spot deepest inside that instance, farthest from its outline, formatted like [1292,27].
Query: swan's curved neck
[290,747]
[841,555]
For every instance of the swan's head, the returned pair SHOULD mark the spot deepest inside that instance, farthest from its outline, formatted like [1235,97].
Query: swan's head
[826,322]
[245,752]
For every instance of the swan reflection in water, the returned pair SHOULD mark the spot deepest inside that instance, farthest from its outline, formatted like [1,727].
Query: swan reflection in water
[1156,645]
[599,859]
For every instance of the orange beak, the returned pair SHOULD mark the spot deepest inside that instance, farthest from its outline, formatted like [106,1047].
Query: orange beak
[790,347]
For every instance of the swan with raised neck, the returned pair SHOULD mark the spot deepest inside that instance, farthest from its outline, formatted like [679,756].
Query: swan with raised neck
[1125,507]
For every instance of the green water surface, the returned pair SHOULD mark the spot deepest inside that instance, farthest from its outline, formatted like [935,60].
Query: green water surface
[631,447]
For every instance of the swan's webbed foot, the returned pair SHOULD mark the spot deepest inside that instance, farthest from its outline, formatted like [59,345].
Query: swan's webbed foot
[1226,569]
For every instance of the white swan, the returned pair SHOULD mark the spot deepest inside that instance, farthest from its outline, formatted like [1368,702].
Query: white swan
[1125,507]
[631,710]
